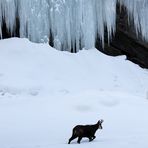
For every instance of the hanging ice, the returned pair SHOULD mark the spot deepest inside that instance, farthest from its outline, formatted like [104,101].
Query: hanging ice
[138,12]
[73,24]
[8,14]
[69,24]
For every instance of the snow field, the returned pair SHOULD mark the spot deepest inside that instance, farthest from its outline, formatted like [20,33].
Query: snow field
[44,93]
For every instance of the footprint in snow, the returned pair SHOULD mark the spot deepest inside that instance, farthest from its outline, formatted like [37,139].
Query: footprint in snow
[109,102]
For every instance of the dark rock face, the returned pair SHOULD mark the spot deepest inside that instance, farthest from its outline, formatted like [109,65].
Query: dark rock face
[125,41]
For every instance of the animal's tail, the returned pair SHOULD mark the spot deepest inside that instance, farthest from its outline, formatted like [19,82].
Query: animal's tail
[75,132]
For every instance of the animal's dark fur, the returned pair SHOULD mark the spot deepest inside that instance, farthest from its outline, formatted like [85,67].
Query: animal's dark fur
[88,131]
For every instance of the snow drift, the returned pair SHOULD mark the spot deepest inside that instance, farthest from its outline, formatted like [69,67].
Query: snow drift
[25,64]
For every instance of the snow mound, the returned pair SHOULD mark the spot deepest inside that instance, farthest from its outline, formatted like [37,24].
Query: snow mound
[37,68]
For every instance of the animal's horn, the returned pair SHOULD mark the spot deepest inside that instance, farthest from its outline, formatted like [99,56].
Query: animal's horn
[101,121]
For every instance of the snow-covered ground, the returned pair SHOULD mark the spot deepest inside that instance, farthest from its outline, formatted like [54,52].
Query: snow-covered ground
[44,93]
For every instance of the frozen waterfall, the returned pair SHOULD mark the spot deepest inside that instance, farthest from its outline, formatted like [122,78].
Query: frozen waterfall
[70,24]
[138,12]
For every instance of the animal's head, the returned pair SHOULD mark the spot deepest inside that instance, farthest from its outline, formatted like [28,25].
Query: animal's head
[100,124]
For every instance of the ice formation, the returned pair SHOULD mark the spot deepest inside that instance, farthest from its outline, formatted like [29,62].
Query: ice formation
[138,12]
[70,24]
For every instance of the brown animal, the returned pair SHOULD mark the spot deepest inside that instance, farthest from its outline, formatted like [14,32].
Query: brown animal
[87,131]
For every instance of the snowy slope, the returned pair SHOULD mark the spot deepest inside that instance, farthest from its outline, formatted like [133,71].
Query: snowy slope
[45,92]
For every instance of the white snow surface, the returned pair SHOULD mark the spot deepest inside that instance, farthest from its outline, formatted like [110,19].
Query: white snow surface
[44,93]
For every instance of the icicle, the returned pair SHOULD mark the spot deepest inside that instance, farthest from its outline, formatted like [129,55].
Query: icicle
[88,26]
[110,17]
[105,17]
[8,12]
[34,19]
[0,20]
[138,12]
[57,15]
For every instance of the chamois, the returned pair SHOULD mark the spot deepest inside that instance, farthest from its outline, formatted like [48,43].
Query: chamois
[87,131]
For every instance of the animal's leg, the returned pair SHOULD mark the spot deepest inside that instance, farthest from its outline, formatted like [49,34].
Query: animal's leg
[90,139]
[72,138]
[79,139]
[94,137]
